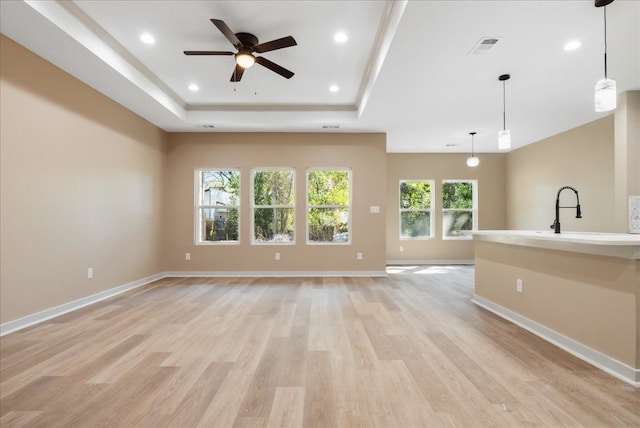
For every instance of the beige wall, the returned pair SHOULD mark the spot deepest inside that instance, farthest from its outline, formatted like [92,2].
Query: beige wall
[363,153]
[424,166]
[589,298]
[627,156]
[80,187]
[583,158]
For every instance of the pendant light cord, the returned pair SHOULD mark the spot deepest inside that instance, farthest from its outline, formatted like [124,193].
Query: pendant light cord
[504,105]
[472,135]
[605,42]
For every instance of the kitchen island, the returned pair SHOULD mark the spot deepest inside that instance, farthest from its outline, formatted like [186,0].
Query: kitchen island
[580,291]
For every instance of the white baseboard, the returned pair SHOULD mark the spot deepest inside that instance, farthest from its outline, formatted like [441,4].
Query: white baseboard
[430,262]
[585,353]
[273,274]
[29,320]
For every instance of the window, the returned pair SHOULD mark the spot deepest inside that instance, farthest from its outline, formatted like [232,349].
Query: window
[415,209]
[273,205]
[218,205]
[459,209]
[329,206]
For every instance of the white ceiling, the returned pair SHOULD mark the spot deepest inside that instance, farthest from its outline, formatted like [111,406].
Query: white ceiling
[405,70]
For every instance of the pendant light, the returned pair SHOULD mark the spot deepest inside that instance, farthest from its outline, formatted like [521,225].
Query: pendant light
[504,136]
[605,96]
[472,161]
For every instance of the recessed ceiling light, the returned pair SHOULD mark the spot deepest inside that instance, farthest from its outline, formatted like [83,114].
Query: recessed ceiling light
[147,38]
[572,45]
[340,37]
[194,88]
[334,88]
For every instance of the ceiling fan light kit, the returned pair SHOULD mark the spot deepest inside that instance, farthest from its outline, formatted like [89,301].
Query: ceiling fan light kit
[247,44]
[245,60]
[605,90]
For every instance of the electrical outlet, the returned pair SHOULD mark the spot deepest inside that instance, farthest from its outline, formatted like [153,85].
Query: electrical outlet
[401,249]
[277,256]
[519,285]
[187,256]
[359,256]
[89,273]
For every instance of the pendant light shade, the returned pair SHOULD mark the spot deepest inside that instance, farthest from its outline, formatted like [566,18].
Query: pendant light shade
[504,135]
[605,95]
[605,91]
[472,161]
[504,139]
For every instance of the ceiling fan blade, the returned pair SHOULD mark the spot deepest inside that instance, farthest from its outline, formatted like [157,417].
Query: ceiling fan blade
[207,53]
[283,42]
[230,35]
[237,74]
[275,67]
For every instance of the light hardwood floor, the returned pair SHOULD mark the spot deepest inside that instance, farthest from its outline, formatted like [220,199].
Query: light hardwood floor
[409,350]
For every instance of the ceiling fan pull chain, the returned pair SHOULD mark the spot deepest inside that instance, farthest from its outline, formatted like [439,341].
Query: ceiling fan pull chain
[255,81]
[235,81]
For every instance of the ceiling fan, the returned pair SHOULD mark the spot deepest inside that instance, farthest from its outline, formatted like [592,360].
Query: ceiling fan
[247,44]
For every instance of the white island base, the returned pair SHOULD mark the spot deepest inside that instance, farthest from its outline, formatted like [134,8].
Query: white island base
[580,291]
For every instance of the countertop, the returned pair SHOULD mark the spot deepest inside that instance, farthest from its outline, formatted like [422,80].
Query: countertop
[623,245]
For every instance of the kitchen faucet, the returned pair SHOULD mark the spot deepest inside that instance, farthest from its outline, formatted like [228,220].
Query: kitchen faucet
[556,223]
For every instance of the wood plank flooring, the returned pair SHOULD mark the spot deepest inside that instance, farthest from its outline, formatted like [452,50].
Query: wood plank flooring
[409,350]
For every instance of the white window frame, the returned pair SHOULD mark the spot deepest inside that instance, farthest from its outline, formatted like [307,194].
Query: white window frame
[430,210]
[275,206]
[349,207]
[468,235]
[198,206]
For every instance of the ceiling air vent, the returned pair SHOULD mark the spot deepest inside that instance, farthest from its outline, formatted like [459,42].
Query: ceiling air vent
[484,45]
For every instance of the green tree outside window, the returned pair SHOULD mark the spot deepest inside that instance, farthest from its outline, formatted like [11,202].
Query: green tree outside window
[274,205]
[219,205]
[329,205]
[458,208]
[415,209]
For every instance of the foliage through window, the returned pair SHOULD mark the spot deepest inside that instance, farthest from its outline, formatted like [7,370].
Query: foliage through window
[273,205]
[459,209]
[415,209]
[218,205]
[329,205]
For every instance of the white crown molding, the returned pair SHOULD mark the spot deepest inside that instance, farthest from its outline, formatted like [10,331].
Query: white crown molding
[80,27]
[389,24]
